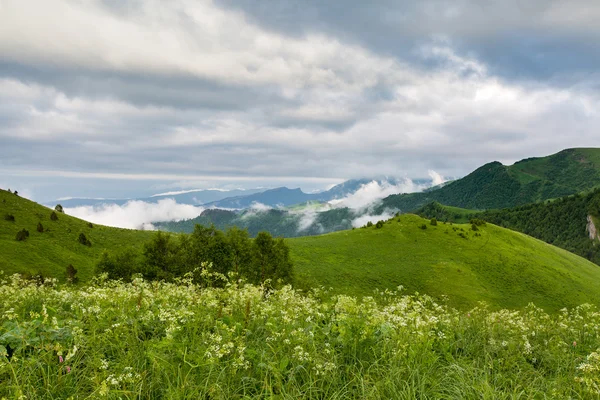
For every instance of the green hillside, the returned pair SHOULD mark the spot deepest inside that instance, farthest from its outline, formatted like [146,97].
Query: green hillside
[50,252]
[495,185]
[562,222]
[502,267]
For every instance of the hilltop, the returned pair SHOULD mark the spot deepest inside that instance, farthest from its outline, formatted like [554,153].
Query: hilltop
[51,251]
[504,268]
[495,185]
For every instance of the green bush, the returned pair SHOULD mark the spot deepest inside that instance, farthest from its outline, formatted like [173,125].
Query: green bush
[22,235]
[433,222]
[9,217]
[423,226]
[84,240]
[40,227]
[53,216]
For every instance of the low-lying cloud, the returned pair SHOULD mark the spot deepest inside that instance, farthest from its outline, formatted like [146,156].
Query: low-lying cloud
[369,193]
[135,214]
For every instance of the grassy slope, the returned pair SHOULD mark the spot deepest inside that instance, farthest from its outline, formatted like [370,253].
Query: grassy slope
[504,268]
[50,252]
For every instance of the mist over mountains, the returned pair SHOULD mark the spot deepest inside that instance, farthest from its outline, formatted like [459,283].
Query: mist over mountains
[175,206]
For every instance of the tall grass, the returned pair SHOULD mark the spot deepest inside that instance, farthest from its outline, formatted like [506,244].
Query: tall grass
[178,340]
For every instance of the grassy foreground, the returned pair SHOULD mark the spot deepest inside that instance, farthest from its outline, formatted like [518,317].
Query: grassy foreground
[177,340]
[504,268]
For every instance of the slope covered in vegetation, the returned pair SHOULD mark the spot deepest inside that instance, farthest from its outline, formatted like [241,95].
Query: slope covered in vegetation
[51,251]
[563,222]
[493,264]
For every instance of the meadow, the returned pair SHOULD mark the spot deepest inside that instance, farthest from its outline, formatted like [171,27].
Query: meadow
[179,340]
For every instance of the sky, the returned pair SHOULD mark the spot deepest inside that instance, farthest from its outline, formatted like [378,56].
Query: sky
[127,98]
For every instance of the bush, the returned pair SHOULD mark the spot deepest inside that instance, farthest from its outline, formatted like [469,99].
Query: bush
[84,240]
[474,227]
[9,217]
[40,227]
[71,273]
[59,208]
[423,226]
[369,224]
[379,224]
[53,216]
[90,225]
[22,235]
[433,222]
[477,222]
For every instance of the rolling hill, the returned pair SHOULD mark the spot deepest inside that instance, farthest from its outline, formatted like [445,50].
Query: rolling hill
[51,251]
[566,222]
[504,268]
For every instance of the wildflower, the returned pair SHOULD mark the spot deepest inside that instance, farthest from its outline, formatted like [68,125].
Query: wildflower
[68,369]
[574,343]
[60,359]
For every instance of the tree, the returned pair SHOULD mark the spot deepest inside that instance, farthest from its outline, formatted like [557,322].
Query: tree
[160,257]
[53,216]
[59,208]
[241,250]
[272,259]
[209,245]
[433,222]
[40,227]
[121,265]
[72,274]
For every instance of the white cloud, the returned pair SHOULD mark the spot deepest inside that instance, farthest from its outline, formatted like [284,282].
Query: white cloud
[370,192]
[436,179]
[362,220]
[135,214]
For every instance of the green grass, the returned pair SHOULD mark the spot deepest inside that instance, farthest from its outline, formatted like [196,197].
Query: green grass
[504,268]
[144,340]
[50,252]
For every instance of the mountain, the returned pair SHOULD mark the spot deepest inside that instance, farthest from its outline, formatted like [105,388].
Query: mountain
[51,251]
[493,264]
[285,197]
[498,186]
[193,197]
[278,222]
[570,222]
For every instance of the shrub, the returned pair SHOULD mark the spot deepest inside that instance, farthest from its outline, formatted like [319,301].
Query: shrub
[53,216]
[9,217]
[40,227]
[59,208]
[423,226]
[477,222]
[71,273]
[90,225]
[474,227]
[22,235]
[433,222]
[379,224]
[84,240]
[369,224]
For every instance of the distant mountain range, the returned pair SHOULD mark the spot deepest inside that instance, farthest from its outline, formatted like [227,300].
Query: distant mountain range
[241,199]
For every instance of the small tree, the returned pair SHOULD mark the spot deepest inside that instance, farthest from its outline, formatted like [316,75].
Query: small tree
[433,221]
[379,224]
[53,216]
[72,274]
[16,193]
[9,217]
[22,235]
[84,240]
[59,208]
[40,227]
[90,225]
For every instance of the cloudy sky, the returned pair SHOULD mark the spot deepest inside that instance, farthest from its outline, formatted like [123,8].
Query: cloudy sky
[120,98]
